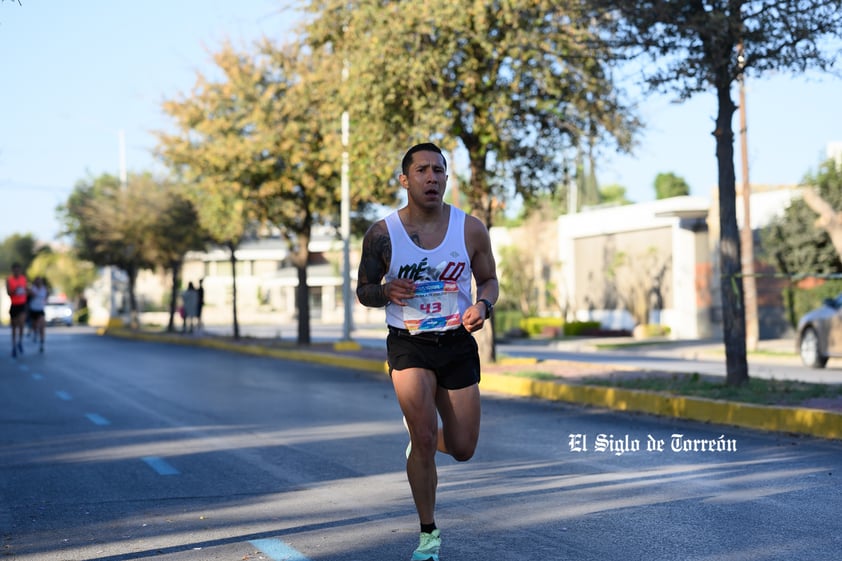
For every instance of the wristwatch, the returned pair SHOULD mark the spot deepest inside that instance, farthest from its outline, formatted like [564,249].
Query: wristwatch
[489,307]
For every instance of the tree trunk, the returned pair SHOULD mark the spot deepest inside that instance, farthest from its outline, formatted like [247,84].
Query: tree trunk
[302,304]
[232,248]
[175,268]
[300,259]
[134,318]
[731,282]
[481,204]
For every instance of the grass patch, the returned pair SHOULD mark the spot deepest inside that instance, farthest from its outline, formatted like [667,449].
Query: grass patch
[629,344]
[757,391]
[544,376]
[614,346]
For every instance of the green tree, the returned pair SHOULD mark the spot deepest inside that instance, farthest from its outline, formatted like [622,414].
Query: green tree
[17,248]
[305,186]
[823,197]
[517,281]
[111,224]
[209,153]
[614,194]
[64,272]
[261,147]
[514,84]
[670,185]
[702,45]
[175,232]
[794,242]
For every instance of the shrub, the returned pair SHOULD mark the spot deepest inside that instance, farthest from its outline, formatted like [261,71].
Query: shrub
[575,328]
[81,316]
[537,326]
[805,300]
[506,321]
[647,330]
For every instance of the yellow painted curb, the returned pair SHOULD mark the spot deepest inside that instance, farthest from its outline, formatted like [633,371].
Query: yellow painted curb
[256,350]
[346,346]
[517,360]
[813,422]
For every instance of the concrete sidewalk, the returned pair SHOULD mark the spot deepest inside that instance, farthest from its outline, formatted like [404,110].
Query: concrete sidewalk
[796,420]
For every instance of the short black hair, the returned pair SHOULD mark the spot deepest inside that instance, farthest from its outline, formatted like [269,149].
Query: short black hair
[423,147]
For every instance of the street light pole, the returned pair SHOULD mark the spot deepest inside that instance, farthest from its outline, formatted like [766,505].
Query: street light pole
[747,236]
[113,316]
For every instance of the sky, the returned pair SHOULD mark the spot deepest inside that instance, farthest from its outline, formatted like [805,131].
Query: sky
[78,76]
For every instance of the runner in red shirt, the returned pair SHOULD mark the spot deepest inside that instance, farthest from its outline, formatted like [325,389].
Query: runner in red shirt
[16,287]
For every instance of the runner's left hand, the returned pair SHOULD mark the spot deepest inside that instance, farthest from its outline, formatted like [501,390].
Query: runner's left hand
[474,317]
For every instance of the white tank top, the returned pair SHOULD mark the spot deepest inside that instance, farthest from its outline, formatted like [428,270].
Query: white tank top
[442,277]
[39,298]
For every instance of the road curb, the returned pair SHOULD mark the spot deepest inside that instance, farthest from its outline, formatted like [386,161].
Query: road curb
[797,420]
[343,361]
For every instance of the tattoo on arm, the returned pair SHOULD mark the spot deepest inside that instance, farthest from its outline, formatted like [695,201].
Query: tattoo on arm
[374,262]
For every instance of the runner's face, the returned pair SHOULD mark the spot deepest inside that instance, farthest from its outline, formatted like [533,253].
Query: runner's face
[426,179]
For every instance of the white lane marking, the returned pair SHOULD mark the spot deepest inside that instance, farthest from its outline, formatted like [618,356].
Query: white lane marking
[161,466]
[278,550]
[98,419]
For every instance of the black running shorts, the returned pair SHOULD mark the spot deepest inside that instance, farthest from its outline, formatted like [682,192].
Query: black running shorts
[452,355]
[17,310]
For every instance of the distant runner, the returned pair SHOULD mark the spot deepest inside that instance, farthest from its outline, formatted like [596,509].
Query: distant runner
[16,287]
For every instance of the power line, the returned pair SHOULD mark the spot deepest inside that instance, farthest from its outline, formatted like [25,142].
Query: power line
[9,185]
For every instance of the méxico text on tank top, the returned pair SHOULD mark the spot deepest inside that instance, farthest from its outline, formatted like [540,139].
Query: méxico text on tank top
[442,277]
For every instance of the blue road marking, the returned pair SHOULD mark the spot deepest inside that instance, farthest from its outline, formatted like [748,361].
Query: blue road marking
[63,395]
[161,466]
[37,376]
[98,419]
[278,550]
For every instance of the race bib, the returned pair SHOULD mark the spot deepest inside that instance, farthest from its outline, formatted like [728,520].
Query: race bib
[435,307]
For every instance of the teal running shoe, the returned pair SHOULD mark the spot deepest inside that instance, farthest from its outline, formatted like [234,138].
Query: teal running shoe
[428,547]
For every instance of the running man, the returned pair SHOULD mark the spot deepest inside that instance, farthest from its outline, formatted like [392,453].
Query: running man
[16,287]
[418,263]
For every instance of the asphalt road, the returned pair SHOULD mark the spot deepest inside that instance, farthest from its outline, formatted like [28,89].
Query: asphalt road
[115,450]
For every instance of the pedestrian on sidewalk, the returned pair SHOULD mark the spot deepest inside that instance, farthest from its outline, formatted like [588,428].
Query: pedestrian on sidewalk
[200,304]
[418,263]
[190,302]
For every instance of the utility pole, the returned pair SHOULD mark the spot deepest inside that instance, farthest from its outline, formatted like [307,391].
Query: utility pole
[454,181]
[113,317]
[345,222]
[746,234]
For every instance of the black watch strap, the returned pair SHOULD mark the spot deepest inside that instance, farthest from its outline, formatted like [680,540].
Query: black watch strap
[489,307]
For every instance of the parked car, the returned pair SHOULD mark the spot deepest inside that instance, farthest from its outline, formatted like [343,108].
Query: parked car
[819,333]
[58,312]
